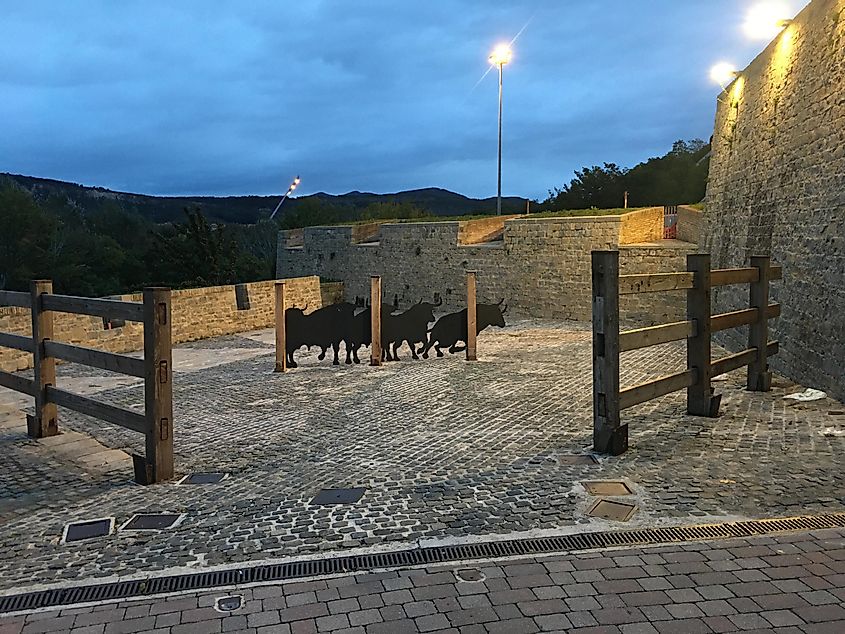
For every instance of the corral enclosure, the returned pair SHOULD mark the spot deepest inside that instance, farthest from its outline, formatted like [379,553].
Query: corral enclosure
[540,266]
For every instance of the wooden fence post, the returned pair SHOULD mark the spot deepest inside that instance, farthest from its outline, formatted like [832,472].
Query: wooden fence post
[375,319]
[158,385]
[45,421]
[609,435]
[700,398]
[472,320]
[759,376]
[281,334]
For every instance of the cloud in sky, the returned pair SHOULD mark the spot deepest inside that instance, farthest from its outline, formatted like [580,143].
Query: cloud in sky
[375,95]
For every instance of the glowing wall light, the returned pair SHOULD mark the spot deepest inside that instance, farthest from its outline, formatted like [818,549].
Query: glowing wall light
[723,73]
[766,19]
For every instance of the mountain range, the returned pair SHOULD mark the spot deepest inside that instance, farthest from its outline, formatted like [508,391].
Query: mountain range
[248,209]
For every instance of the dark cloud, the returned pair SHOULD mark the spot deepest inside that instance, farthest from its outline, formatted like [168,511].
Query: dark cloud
[235,98]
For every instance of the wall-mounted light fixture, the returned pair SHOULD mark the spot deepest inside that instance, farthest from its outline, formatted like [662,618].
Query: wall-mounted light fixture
[766,19]
[723,73]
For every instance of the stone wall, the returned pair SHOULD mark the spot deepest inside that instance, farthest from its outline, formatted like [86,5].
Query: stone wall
[642,225]
[650,309]
[198,313]
[777,187]
[541,266]
[689,224]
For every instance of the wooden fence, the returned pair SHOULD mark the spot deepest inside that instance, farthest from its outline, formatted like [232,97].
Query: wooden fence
[375,322]
[156,368]
[609,434]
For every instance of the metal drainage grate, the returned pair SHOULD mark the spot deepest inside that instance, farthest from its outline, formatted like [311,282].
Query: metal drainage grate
[606,487]
[78,531]
[328,497]
[203,478]
[270,573]
[155,522]
[610,510]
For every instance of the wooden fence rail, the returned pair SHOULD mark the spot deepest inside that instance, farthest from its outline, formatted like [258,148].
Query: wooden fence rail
[610,435]
[156,368]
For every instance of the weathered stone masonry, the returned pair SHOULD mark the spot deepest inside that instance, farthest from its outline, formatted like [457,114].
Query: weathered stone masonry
[777,187]
[541,267]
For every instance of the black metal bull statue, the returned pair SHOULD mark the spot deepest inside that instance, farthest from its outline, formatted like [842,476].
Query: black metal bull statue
[452,328]
[323,328]
[410,327]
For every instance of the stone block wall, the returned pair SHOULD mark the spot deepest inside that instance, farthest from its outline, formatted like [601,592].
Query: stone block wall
[540,267]
[198,313]
[689,224]
[777,187]
[642,225]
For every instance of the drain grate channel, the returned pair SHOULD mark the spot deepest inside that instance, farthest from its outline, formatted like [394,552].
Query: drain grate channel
[411,557]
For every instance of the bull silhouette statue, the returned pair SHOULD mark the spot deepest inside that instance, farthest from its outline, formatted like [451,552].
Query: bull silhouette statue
[452,328]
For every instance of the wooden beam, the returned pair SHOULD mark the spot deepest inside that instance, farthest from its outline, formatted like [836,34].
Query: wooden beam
[772,311]
[775,272]
[158,385]
[609,434]
[700,398]
[18,342]
[108,308]
[732,362]
[657,388]
[655,335]
[772,348]
[733,320]
[44,422]
[654,282]
[17,383]
[472,319]
[759,377]
[281,333]
[375,320]
[15,298]
[96,358]
[109,413]
[726,277]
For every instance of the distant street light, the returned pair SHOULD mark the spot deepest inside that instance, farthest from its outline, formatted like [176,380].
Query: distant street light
[287,193]
[500,56]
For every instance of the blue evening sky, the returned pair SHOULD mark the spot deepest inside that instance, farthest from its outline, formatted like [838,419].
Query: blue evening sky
[227,98]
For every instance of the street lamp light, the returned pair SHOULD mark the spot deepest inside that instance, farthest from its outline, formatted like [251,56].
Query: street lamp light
[500,56]
[293,186]
[766,19]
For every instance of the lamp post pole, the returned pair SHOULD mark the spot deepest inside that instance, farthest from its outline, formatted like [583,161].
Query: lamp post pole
[499,189]
[500,56]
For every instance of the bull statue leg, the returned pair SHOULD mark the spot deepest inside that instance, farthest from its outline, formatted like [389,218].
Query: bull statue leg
[395,348]
[336,350]
[291,362]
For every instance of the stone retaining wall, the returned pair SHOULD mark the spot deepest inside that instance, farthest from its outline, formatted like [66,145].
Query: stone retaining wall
[541,266]
[777,187]
[198,313]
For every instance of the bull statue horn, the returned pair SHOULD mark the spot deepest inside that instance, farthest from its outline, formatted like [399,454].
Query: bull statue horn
[438,300]
[504,309]
[501,300]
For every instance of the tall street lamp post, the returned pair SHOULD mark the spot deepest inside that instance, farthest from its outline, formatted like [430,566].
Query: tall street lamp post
[500,56]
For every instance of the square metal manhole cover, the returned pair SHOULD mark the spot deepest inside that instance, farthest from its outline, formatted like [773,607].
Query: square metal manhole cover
[608,510]
[576,459]
[152,522]
[338,496]
[606,487]
[203,478]
[78,531]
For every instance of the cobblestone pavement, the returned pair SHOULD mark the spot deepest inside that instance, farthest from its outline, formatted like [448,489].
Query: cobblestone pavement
[445,450]
[792,583]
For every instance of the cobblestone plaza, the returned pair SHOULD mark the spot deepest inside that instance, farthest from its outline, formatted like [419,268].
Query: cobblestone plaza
[444,450]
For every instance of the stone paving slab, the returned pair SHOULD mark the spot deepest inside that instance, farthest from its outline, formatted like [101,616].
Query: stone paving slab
[444,449]
[790,583]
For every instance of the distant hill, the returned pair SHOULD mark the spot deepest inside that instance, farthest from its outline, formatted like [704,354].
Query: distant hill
[248,209]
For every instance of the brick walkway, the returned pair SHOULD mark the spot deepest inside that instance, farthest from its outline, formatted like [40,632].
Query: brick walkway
[788,583]
[443,449]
